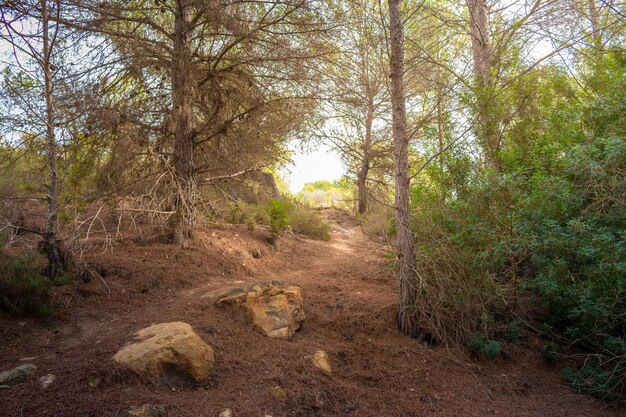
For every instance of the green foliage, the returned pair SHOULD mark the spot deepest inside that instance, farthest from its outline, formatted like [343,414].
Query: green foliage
[576,241]
[280,214]
[23,288]
[552,221]
[488,348]
[550,351]
[512,332]
[325,193]
[596,378]
[278,217]
[306,221]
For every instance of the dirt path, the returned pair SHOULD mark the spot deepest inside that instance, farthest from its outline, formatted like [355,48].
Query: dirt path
[349,298]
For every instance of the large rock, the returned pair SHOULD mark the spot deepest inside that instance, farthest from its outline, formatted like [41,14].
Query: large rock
[17,375]
[274,309]
[169,352]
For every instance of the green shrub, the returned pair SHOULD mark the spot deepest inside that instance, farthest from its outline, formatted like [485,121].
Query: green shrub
[278,217]
[488,348]
[23,288]
[512,332]
[304,220]
[376,221]
[550,351]
[248,214]
[236,214]
[595,378]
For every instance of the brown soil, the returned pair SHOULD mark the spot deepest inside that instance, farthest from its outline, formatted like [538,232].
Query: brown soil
[350,297]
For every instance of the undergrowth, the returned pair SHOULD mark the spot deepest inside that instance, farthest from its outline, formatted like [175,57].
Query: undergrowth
[24,289]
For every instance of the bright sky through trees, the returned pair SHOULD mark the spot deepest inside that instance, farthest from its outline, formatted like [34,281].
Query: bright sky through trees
[312,165]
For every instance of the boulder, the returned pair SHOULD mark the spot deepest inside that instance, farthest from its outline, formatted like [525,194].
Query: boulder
[274,309]
[17,375]
[168,352]
[147,410]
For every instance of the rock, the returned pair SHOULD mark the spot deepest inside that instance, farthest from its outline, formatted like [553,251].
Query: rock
[274,309]
[47,380]
[17,375]
[321,361]
[147,410]
[94,382]
[169,352]
[278,393]
[226,413]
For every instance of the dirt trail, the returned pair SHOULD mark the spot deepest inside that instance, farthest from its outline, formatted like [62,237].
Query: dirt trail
[349,298]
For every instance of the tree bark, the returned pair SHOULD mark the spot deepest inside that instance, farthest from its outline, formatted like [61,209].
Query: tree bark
[183,93]
[596,31]
[51,247]
[365,162]
[407,312]
[483,63]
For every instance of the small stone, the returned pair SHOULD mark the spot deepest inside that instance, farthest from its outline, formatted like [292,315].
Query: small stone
[278,393]
[47,380]
[226,413]
[18,374]
[93,383]
[320,360]
[147,410]
[21,323]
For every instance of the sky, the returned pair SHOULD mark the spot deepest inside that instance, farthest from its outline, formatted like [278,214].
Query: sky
[312,165]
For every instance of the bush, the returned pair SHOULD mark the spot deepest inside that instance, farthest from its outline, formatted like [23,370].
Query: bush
[596,378]
[512,332]
[306,221]
[378,221]
[278,217]
[488,348]
[23,288]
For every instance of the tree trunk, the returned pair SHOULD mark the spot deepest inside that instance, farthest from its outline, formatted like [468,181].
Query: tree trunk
[407,312]
[440,140]
[483,62]
[365,162]
[56,264]
[596,32]
[183,93]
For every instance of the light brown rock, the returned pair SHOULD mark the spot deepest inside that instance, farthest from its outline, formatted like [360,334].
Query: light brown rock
[321,361]
[169,352]
[274,309]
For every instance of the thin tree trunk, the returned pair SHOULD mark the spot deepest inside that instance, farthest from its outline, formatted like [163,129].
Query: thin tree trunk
[483,63]
[56,265]
[440,140]
[183,92]
[407,312]
[365,162]
[596,32]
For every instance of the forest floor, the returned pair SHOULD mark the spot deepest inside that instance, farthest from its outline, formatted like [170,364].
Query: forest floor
[350,297]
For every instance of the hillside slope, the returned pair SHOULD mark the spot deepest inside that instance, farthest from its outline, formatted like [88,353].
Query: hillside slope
[349,299]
